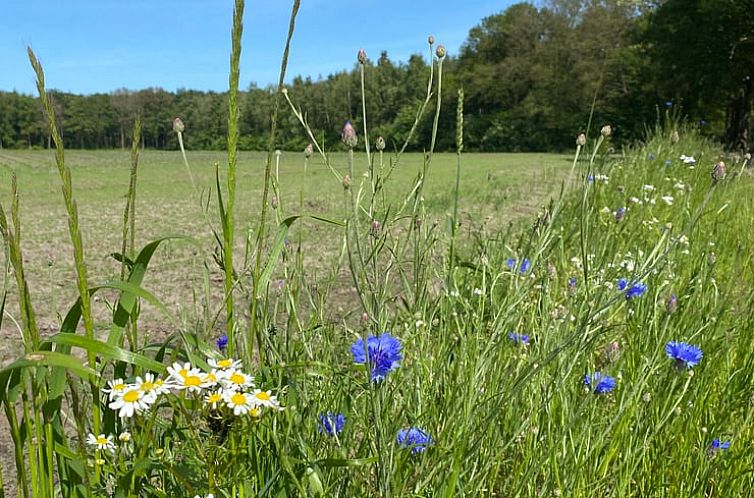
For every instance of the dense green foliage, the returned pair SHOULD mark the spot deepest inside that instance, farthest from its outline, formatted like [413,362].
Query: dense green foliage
[532,76]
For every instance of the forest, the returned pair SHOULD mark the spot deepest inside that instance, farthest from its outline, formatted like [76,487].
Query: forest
[534,76]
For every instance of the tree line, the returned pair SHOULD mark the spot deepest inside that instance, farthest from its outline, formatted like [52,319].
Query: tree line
[533,78]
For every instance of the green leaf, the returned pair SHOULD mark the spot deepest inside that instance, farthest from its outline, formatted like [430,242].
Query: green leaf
[107,351]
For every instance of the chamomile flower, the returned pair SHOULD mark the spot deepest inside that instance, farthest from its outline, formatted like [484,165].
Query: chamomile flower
[186,377]
[224,364]
[213,399]
[129,402]
[265,398]
[114,388]
[240,403]
[213,377]
[124,437]
[149,387]
[101,442]
[236,379]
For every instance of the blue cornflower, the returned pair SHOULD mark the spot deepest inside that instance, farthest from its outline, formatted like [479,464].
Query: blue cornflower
[669,103]
[683,353]
[622,283]
[599,383]
[635,290]
[518,339]
[525,265]
[590,178]
[222,342]
[382,353]
[718,445]
[331,423]
[572,283]
[414,438]
[512,264]
[620,213]
[702,122]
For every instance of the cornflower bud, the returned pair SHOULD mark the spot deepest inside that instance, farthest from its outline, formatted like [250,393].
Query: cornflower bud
[581,140]
[348,135]
[278,153]
[671,304]
[362,56]
[178,126]
[674,137]
[431,39]
[274,202]
[347,182]
[440,52]
[380,145]
[376,227]
[606,131]
[308,151]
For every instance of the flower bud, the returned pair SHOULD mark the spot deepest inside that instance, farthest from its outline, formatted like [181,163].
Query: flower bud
[440,52]
[347,182]
[671,304]
[376,227]
[620,213]
[274,202]
[178,126]
[674,137]
[362,56]
[581,140]
[348,135]
[431,39]
[308,151]
[718,172]
[606,131]
[747,157]
[278,153]
[380,145]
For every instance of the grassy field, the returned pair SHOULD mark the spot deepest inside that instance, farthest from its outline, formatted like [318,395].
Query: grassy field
[495,189]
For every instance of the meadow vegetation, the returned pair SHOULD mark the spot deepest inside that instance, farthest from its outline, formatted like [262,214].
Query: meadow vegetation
[601,348]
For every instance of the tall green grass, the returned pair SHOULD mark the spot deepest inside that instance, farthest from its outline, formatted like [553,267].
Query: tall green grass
[505,415]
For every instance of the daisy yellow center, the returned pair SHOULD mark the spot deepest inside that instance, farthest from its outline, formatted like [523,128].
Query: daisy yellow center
[214,398]
[225,363]
[159,382]
[102,441]
[211,377]
[238,399]
[131,396]
[192,380]
[147,386]
[119,387]
[237,378]
[183,372]
[256,412]
[263,396]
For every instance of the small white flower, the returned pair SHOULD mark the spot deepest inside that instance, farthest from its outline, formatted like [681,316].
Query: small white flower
[668,199]
[224,364]
[236,379]
[186,377]
[129,402]
[239,402]
[212,399]
[265,398]
[115,387]
[478,292]
[649,188]
[101,442]
[635,200]
[606,210]
[124,437]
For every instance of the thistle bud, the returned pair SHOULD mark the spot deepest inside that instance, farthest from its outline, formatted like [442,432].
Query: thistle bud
[347,182]
[278,153]
[348,135]
[718,172]
[606,131]
[674,137]
[581,140]
[671,304]
[178,126]
[308,151]
[431,39]
[362,56]
[376,227]
[440,52]
[380,144]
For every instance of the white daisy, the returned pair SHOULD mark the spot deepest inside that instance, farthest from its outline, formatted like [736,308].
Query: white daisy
[150,386]
[212,399]
[186,377]
[129,402]
[236,379]
[265,398]
[214,377]
[101,442]
[115,387]
[240,402]
[224,364]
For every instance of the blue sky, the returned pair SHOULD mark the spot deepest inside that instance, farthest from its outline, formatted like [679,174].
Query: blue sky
[89,46]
